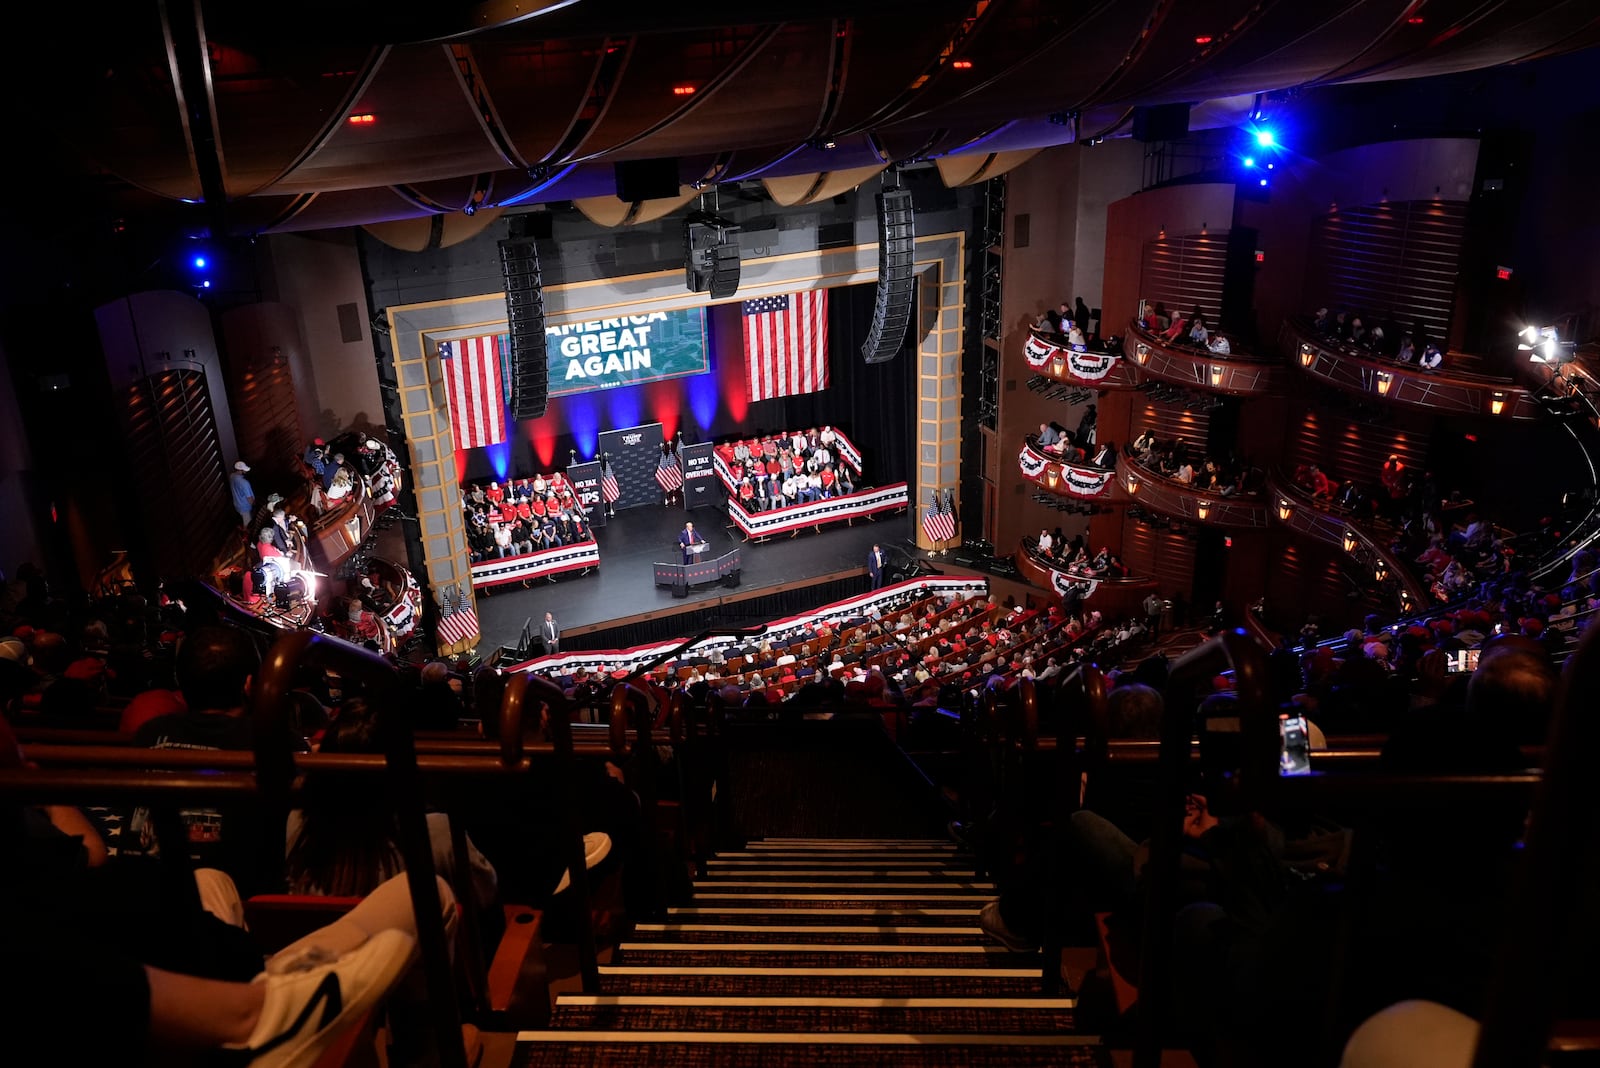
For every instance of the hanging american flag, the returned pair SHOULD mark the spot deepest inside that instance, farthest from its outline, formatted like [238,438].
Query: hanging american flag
[668,475]
[938,524]
[475,388]
[786,344]
[458,622]
[609,490]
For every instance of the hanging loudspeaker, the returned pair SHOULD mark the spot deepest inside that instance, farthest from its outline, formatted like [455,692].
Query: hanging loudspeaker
[891,315]
[519,262]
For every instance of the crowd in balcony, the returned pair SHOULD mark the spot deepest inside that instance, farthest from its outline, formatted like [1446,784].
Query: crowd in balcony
[1179,461]
[1068,322]
[1072,556]
[1080,446]
[1383,338]
[1192,330]
[522,516]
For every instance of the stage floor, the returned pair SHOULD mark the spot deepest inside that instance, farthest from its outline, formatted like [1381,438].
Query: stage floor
[623,584]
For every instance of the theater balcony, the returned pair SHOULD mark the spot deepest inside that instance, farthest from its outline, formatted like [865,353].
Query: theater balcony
[1156,492]
[1082,481]
[1447,391]
[1305,514]
[1236,374]
[1112,596]
[1049,355]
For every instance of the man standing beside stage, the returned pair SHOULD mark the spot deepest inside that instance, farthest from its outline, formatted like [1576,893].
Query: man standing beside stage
[875,567]
[689,537]
[550,631]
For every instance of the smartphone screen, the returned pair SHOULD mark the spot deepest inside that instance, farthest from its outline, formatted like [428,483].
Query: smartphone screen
[1294,755]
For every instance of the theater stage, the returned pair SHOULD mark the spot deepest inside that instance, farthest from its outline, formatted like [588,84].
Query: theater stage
[622,591]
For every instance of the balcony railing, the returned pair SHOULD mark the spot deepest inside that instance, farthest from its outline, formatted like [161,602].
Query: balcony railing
[1158,493]
[1081,480]
[1355,370]
[1049,355]
[1113,597]
[1235,374]
[1307,514]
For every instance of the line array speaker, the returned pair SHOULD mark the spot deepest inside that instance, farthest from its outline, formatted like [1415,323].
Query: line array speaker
[530,371]
[891,315]
[711,255]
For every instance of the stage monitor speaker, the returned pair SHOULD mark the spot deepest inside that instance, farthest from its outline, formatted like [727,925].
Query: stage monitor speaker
[891,314]
[647,179]
[1161,122]
[530,372]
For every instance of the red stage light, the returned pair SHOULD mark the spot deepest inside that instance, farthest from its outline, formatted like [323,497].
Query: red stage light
[364,119]
[962,64]
[542,436]
[1203,39]
[1414,20]
[683,90]
[665,401]
[1471,437]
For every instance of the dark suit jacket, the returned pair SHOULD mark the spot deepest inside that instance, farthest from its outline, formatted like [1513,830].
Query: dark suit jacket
[875,562]
[545,629]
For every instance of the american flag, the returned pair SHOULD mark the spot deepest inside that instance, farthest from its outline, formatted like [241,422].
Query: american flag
[938,524]
[458,622]
[786,344]
[475,388]
[609,490]
[668,476]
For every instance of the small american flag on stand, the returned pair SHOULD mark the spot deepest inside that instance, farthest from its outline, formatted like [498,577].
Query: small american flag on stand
[668,475]
[938,524]
[609,490]
[458,623]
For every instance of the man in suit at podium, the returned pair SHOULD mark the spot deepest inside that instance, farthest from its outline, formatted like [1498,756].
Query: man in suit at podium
[875,567]
[688,537]
[550,631]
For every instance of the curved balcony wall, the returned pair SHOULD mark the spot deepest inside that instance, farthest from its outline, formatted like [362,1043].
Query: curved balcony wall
[1112,597]
[1236,374]
[1356,370]
[1299,511]
[1159,493]
[1082,481]
[1048,354]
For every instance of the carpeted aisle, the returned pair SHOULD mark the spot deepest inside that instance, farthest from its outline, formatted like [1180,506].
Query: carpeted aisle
[810,951]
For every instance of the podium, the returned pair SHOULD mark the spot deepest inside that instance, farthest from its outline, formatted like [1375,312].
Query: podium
[680,577]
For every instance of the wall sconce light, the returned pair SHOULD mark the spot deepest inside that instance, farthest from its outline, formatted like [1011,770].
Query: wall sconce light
[1385,380]
[1380,572]
[1133,485]
[1052,475]
[1285,509]
[1405,601]
[1217,371]
[1202,509]
[1058,365]
[1141,353]
[1498,403]
[1161,234]
[1308,355]
[1350,541]
[1204,230]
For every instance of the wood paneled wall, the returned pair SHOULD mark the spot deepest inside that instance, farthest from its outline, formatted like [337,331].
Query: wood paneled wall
[1390,261]
[1184,270]
[1159,554]
[1171,422]
[1347,449]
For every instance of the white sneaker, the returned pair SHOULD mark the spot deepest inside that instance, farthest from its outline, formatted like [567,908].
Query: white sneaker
[306,1009]
[596,847]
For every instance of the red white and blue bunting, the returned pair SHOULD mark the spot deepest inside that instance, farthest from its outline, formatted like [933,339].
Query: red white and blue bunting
[536,564]
[832,510]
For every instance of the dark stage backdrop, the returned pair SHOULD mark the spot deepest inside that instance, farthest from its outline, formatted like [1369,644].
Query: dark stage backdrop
[874,404]
[635,452]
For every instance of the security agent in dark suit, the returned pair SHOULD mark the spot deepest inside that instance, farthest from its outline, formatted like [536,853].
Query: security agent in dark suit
[689,536]
[875,562]
[550,632]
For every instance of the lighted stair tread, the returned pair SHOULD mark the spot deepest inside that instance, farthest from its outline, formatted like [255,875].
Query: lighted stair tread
[815,934]
[930,885]
[952,1016]
[875,912]
[852,872]
[703,1049]
[843,982]
[757,955]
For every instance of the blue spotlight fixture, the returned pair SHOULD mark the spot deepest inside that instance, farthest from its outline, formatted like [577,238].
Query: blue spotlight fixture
[200,263]
[1249,161]
[1264,138]
[1263,181]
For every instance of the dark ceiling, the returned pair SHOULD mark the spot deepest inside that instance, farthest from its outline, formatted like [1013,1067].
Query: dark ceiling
[250,106]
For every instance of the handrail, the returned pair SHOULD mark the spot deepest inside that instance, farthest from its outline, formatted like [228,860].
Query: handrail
[1287,489]
[275,769]
[1229,650]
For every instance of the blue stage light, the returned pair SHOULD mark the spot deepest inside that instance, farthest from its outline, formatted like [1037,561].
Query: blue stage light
[1249,161]
[704,393]
[199,263]
[206,284]
[583,420]
[499,459]
[1263,181]
[1264,138]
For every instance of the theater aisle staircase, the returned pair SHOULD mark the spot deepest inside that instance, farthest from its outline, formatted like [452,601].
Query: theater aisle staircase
[802,951]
